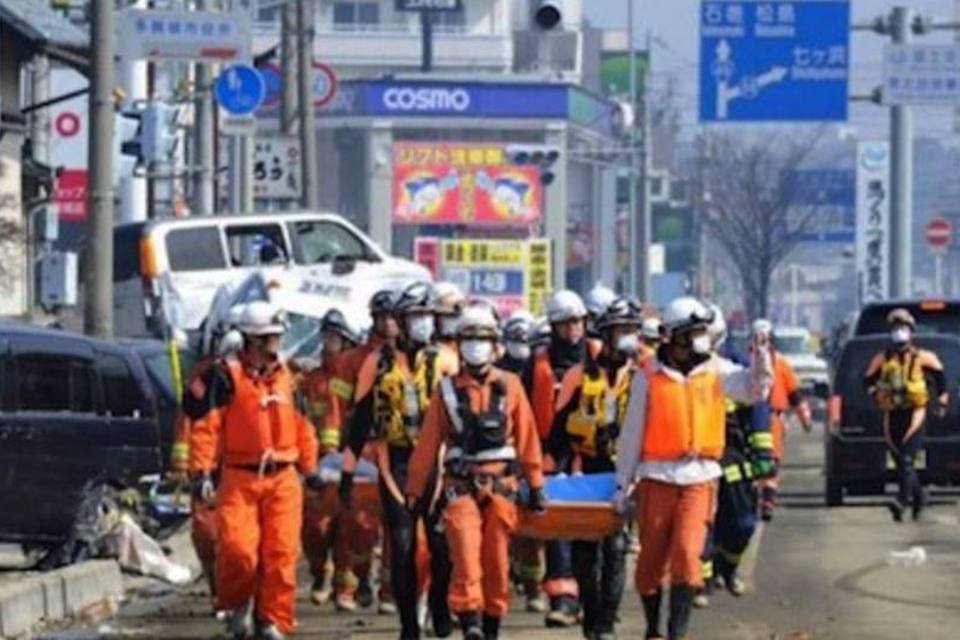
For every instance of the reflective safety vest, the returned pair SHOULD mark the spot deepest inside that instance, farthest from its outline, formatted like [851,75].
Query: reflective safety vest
[477,436]
[685,414]
[600,412]
[260,418]
[318,397]
[902,384]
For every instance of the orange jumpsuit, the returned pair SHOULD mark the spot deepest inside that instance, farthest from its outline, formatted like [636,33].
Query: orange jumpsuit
[784,394]
[203,531]
[478,525]
[255,432]
[321,526]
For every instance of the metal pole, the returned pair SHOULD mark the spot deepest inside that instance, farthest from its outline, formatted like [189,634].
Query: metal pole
[288,69]
[794,293]
[308,130]
[204,190]
[901,176]
[938,274]
[98,272]
[133,189]
[426,39]
[246,173]
[642,237]
[633,258]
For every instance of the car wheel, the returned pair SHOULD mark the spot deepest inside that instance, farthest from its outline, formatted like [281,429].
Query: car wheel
[833,491]
[98,513]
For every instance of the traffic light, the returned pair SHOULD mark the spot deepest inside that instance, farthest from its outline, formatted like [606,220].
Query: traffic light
[126,144]
[159,136]
[548,14]
[542,155]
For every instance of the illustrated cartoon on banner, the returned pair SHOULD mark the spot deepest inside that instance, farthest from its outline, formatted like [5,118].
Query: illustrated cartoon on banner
[457,183]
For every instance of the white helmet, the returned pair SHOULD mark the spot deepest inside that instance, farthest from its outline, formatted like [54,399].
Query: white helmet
[450,299]
[262,318]
[651,329]
[478,321]
[761,327]
[685,313]
[230,343]
[565,305]
[718,326]
[233,318]
[598,299]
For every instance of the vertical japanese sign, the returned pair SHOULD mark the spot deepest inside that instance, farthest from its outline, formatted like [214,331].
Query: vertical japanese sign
[873,220]
[511,274]
[463,183]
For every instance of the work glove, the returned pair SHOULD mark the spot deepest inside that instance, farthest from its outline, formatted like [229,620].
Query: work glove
[621,501]
[204,489]
[313,481]
[763,468]
[537,502]
[345,490]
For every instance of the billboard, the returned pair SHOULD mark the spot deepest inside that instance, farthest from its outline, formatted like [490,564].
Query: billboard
[511,274]
[873,220]
[463,183]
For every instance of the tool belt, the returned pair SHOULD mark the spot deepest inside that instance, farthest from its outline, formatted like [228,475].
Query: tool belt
[270,468]
[481,486]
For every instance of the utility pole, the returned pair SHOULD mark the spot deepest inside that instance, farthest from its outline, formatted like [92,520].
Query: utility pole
[308,130]
[133,189]
[632,253]
[204,191]
[288,68]
[98,274]
[426,40]
[901,174]
[642,225]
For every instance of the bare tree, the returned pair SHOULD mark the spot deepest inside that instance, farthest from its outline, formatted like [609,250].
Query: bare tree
[751,210]
[12,238]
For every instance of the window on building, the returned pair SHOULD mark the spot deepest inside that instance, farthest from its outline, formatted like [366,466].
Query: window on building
[354,15]
[450,20]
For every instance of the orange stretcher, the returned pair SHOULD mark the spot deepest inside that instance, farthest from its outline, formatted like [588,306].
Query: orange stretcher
[579,508]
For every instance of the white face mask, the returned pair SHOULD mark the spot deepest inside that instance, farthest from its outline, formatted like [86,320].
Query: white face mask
[900,335]
[628,344]
[702,344]
[476,352]
[448,326]
[518,350]
[420,329]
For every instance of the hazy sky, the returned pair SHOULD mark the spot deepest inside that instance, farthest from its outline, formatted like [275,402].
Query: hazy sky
[674,31]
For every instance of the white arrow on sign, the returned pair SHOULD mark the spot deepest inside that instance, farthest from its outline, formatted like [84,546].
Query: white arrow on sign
[747,88]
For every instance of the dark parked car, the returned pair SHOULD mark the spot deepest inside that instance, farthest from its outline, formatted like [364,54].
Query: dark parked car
[856,461]
[78,423]
[932,316]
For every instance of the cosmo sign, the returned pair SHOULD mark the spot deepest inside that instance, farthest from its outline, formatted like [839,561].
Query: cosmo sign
[426,99]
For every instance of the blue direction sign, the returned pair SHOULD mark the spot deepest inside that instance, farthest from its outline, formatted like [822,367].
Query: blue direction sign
[240,89]
[774,61]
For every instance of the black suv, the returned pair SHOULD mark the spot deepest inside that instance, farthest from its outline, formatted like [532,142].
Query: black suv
[856,458]
[78,422]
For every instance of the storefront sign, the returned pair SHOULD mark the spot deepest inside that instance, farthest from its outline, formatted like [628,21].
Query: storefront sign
[462,183]
[511,274]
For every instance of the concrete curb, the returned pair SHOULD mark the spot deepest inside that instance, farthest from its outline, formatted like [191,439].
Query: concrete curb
[55,595]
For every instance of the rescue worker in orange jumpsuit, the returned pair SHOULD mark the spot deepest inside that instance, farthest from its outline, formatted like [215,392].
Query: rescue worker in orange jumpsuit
[482,421]
[591,407]
[392,393]
[256,435]
[364,529]
[672,441]
[325,533]
[568,347]
[786,394]
[226,342]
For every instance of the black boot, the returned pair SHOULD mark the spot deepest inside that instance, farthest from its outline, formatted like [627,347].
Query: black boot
[681,604]
[651,608]
[491,627]
[472,625]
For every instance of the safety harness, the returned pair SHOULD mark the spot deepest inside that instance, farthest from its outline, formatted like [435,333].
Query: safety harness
[595,425]
[902,384]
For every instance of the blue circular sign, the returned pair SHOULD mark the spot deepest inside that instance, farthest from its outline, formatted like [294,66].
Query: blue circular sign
[240,89]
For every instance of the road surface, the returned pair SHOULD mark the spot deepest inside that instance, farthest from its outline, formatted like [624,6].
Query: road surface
[820,573]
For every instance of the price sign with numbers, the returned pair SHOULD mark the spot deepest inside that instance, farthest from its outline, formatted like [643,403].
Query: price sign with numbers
[276,168]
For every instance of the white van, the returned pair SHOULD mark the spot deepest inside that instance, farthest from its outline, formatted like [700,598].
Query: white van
[167,271]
